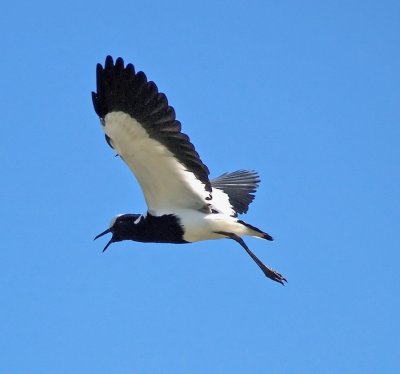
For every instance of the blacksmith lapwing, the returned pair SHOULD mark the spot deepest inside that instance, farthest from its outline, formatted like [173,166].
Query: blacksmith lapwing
[184,205]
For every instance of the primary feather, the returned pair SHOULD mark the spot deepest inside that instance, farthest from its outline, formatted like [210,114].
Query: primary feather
[141,126]
[240,186]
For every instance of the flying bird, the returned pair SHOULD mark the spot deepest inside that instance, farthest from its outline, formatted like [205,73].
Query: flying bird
[184,205]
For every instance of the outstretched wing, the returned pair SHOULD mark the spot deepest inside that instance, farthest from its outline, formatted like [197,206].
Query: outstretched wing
[141,126]
[233,192]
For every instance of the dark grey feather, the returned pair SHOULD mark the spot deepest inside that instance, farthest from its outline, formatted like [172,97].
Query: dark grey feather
[240,186]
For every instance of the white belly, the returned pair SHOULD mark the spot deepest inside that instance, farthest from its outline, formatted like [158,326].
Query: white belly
[200,226]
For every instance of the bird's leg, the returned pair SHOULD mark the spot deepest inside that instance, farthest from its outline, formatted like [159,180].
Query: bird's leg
[270,273]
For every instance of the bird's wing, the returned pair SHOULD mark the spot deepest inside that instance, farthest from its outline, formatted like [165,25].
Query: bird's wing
[141,126]
[233,192]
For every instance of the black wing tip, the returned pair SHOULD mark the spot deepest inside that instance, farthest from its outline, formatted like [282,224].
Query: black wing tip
[109,62]
[120,88]
[117,66]
[99,67]
[119,63]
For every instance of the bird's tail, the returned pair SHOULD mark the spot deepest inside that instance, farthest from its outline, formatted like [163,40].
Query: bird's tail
[255,231]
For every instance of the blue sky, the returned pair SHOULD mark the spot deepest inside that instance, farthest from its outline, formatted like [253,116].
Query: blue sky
[306,93]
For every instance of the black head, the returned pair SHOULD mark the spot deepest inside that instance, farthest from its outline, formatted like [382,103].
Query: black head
[121,227]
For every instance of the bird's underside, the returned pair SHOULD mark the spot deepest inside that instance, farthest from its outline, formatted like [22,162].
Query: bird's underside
[142,128]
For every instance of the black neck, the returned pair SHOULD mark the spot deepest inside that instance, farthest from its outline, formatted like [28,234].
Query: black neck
[152,229]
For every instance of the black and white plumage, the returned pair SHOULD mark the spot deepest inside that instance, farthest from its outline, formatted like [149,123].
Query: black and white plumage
[184,205]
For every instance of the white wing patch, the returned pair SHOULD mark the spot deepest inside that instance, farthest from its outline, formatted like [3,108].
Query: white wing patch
[220,202]
[165,182]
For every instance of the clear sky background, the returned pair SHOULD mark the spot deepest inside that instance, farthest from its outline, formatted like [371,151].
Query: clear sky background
[305,92]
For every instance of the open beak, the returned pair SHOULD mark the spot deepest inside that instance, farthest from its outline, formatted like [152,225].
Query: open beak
[104,233]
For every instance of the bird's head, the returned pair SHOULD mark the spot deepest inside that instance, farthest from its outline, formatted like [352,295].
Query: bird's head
[121,227]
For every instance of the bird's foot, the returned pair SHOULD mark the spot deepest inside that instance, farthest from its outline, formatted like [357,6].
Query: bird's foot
[274,275]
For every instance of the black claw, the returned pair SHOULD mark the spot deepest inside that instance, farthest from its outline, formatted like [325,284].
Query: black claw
[275,276]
